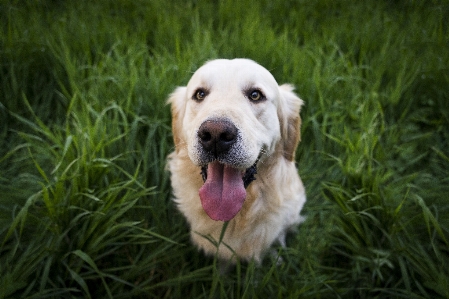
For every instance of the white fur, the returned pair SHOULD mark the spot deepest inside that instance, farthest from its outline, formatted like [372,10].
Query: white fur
[271,127]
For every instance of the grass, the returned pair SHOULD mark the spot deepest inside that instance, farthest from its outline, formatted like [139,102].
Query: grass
[85,209]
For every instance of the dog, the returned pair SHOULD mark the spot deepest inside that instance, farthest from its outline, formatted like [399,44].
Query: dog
[235,132]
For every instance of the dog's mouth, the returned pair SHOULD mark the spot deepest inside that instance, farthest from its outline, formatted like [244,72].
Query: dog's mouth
[224,189]
[247,177]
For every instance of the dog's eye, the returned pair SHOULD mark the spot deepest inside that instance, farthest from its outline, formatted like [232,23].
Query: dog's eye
[255,95]
[199,95]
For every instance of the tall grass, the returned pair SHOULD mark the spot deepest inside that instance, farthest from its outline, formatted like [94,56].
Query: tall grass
[85,209]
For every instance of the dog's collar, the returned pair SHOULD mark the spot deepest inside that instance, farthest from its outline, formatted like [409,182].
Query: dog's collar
[247,178]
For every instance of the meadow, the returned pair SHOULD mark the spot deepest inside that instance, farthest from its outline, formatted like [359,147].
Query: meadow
[85,200]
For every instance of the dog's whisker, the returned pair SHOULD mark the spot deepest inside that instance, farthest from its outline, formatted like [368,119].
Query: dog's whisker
[264,153]
[179,145]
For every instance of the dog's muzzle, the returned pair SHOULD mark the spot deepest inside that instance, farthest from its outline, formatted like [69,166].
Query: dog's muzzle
[216,137]
[224,190]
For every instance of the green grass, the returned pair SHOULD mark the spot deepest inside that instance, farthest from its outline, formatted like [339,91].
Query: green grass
[85,208]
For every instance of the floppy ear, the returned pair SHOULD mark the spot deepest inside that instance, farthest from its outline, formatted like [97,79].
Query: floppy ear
[177,102]
[290,121]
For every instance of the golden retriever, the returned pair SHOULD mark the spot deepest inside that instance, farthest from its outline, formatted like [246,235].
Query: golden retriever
[235,132]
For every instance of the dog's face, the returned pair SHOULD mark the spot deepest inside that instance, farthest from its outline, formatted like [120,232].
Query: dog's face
[231,114]
[237,99]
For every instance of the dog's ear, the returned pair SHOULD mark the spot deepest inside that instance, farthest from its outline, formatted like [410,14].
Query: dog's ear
[290,121]
[177,102]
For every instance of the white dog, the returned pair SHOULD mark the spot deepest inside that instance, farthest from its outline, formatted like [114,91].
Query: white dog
[235,132]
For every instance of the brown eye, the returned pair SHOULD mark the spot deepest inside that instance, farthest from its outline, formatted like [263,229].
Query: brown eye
[255,95]
[199,95]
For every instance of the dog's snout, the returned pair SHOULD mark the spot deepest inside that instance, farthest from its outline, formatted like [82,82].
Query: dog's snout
[217,136]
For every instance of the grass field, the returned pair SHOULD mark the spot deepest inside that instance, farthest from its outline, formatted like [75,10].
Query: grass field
[85,204]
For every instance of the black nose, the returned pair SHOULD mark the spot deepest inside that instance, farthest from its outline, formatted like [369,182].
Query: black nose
[217,136]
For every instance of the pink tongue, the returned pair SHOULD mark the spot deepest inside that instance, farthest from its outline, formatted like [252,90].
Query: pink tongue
[223,193]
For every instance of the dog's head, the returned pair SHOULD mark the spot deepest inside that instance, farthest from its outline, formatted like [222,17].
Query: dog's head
[231,114]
